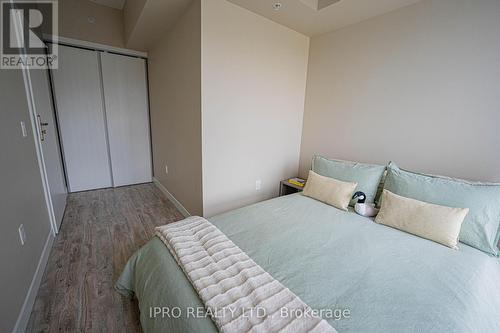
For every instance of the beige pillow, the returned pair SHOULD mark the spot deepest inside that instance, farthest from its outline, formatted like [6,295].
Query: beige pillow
[438,223]
[328,190]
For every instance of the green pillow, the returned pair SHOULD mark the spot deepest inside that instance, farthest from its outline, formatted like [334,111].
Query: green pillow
[481,227]
[368,176]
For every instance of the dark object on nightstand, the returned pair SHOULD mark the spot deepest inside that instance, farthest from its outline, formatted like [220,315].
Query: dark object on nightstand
[288,188]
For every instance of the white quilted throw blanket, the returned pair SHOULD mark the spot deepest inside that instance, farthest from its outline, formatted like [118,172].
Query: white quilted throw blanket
[238,293]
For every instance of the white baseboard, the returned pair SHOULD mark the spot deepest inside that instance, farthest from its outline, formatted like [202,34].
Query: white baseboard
[169,195]
[29,301]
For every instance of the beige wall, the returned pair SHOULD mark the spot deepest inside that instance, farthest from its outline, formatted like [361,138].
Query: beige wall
[253,84]
[419,86]
[175,97]
[107,29]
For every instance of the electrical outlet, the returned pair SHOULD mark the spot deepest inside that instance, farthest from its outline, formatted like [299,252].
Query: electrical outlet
[23,129]
[166,169]
[258,185]
[22,234]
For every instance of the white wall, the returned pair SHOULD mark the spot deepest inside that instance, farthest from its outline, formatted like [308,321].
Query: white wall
[420,86]
[253,87]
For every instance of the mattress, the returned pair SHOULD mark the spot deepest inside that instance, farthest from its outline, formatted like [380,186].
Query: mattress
[378,278]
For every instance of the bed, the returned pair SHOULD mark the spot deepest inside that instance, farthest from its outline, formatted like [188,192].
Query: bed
[388,280]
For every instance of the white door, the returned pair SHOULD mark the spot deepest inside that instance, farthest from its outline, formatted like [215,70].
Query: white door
[126,101]
[20,185]
[82,123]
[49,141]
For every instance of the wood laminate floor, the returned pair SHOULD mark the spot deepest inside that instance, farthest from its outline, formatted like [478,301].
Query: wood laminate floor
[101,229]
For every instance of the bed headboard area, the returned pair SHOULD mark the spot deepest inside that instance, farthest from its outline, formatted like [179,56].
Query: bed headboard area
[372,98]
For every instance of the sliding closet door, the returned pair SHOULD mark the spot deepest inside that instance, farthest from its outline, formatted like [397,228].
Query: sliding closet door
[78,94]
[126,101]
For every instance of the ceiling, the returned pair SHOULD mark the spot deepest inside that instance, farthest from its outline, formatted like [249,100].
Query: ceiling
[310,17]
[118,4]
[156,17]
[314,17]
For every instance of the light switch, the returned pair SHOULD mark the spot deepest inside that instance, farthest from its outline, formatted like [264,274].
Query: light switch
[23,129]
[22,234]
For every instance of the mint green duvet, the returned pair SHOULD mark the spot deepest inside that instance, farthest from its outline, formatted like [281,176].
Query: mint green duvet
[388,280]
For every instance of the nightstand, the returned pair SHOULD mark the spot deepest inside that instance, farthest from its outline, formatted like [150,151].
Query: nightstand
[289,188]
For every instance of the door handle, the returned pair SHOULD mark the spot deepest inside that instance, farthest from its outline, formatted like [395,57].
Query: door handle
[41,124]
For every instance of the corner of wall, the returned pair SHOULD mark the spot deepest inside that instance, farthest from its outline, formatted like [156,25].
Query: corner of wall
[175,97]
